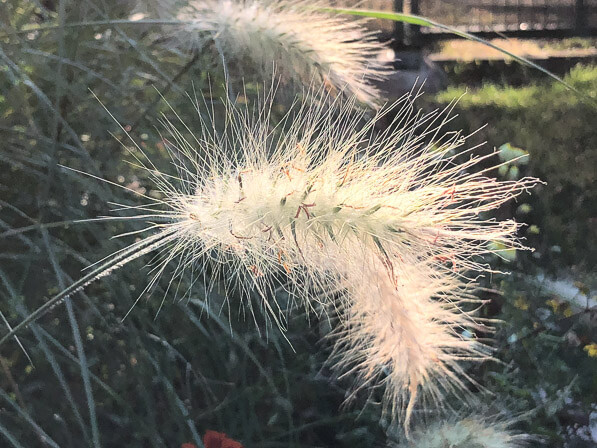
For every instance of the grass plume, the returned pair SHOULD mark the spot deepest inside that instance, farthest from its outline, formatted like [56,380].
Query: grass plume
[303,43]
[469,432]
[385,226]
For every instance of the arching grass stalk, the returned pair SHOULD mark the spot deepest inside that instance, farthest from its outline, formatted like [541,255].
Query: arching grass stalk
[424,21]
[118,260]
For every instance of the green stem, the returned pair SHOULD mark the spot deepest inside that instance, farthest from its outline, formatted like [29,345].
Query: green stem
[422,21]
[119,260]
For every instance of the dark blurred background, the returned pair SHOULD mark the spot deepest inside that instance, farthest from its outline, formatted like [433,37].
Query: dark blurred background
[161,382]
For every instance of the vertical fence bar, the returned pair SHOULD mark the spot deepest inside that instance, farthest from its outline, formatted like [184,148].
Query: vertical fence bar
[407,44]
[581,16]
[414,31]
[398,26]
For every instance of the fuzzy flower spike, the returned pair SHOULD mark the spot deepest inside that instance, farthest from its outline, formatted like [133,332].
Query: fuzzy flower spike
[402,330]
[324,203]
[302,43]
[473,431]
[382,226]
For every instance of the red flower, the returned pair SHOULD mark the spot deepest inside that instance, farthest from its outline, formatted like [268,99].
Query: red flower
[213,439]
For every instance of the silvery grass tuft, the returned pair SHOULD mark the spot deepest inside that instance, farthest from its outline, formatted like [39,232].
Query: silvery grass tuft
[304,44]
[386,227]
[403,330]
[471,432]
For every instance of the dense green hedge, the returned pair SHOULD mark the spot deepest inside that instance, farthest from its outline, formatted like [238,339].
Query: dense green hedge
[558,129]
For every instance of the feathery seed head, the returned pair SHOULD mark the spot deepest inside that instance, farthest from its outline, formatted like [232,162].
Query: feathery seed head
[384,225]
[467,433]
[301,43]
[403,331]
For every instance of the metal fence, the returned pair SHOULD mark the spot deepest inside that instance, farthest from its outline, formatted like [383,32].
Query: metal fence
[513,18]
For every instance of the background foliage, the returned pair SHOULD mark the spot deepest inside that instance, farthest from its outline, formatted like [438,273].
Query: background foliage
[162,381]
[548,304]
